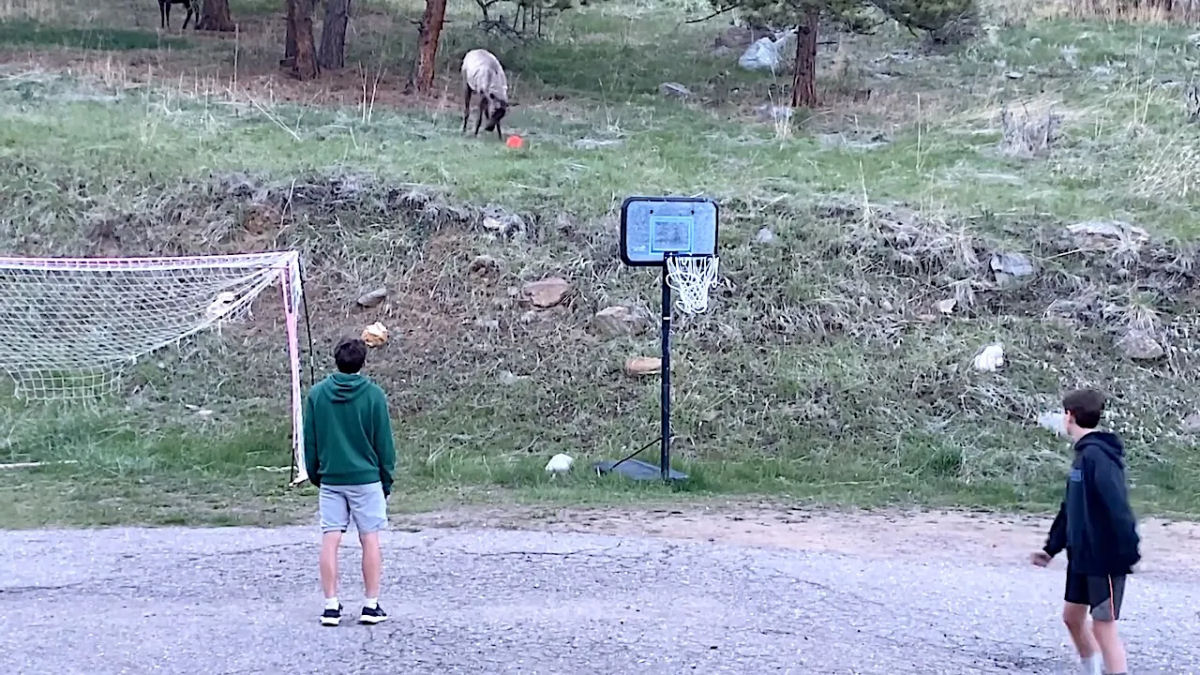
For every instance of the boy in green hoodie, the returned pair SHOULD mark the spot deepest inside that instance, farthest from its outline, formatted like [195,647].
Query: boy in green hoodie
[349,455]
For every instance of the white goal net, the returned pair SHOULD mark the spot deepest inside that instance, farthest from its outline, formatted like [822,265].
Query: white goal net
[70,327]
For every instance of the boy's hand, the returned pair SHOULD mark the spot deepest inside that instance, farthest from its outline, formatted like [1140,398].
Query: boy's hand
[1040,558]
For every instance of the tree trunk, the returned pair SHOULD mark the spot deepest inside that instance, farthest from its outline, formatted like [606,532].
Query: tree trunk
[303,60]
[214,15]
[431,30]
[289,41]
[333,35]
[804,81]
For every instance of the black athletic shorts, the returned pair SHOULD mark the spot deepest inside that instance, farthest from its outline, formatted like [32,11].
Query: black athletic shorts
[1103,594]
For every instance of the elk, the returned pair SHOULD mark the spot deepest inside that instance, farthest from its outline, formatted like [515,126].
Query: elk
[483,75]
[193,9]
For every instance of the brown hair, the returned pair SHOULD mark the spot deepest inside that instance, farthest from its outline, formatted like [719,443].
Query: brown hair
[350,355]
[1086,406]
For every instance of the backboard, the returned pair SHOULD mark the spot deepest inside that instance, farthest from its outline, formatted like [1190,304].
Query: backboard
[654,227]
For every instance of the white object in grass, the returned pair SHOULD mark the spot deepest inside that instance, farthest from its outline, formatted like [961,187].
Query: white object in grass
[990,358]
[559,463]
[1054,422]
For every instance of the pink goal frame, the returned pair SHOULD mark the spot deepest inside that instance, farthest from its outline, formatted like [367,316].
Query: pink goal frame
[287,266]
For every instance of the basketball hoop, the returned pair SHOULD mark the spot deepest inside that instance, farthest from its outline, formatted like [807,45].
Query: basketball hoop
[677,235]
[692,276]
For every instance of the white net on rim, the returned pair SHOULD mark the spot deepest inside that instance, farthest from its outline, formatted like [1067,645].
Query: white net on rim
[69,327]
[691,277]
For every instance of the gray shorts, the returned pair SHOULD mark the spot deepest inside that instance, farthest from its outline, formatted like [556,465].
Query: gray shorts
[364,504]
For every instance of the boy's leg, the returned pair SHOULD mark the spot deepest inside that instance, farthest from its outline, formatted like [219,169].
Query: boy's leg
[1107,594]
[372,563]
[335,518]
[368,507]
[329,563]
[1075,616]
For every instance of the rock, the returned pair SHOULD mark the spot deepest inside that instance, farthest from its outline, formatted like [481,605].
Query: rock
[559,463]
[947,306]
[483,265]
[774,113]
[618,320]
[765,236]
[1109,234]
[487,324]
[595,143]
[1054,422]
[1140,345]
[674,90]
[643,365]
[507,378]
[506,224]
[1011,265]
[866,141]
[548,292]
[990,358]
[1014,75]
[768,54]
[1191,423]
[372,298]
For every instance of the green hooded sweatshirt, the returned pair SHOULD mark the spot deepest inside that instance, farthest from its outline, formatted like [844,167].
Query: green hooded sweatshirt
[347,433]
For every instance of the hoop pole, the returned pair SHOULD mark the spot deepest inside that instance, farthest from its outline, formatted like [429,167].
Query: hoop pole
[664,460]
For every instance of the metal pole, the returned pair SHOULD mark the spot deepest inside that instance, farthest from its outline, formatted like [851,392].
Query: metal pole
[665,457]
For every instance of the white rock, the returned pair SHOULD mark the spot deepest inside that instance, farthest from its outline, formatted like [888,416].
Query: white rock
[674,90]
[1140,346]
[990,358]
[1054,422]
[559,463]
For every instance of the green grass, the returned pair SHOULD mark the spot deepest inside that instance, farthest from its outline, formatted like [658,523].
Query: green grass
[31,34]
[819,375]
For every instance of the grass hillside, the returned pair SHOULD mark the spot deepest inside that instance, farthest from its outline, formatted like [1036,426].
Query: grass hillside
[835,364]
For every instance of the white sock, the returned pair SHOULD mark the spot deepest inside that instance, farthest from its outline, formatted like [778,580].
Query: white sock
[1092,665]
[332,603]
[371,603]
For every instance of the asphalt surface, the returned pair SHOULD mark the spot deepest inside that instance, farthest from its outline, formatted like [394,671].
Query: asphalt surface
[498,601]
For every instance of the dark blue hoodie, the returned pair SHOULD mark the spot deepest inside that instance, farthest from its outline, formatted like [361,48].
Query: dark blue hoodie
[1095,523]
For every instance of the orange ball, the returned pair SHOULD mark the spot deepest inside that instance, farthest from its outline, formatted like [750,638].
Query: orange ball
[515,142]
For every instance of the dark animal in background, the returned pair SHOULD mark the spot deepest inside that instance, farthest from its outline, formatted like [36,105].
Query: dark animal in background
[193,10]
[483,75]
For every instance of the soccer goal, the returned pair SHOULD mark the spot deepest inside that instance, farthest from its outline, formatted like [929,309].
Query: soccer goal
[70,328]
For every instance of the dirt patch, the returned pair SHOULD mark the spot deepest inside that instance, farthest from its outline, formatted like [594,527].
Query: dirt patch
[1169,548]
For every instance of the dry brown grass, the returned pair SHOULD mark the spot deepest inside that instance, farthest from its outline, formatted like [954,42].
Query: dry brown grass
[1148,11]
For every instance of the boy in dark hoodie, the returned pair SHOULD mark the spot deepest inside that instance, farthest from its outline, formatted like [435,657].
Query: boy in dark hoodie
[349,455]
[1097,528]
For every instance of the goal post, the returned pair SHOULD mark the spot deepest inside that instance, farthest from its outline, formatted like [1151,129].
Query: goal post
[71,327]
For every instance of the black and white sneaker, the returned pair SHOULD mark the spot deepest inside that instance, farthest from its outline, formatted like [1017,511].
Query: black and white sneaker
[332,617]
[373,615]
